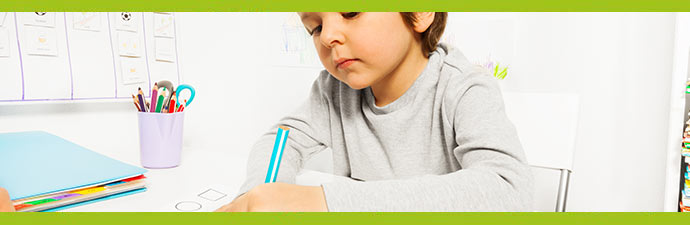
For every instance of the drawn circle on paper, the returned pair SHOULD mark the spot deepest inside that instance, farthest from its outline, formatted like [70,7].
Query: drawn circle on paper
[188,206]
[126,16]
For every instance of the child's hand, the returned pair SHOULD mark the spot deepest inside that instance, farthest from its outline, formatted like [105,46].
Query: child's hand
[5,202]
[279,197]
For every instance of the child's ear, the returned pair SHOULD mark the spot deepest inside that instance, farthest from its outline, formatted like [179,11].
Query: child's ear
[422,21]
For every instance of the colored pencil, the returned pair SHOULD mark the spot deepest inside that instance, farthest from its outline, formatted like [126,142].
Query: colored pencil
[171,106]
[166,100]
[159,104]
[182,106]
[140,95]
[136,103]
[277,154]
[154,96]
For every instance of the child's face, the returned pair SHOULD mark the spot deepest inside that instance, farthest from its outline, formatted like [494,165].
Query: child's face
[360,49]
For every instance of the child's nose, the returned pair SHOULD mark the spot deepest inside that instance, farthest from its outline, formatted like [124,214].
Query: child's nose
[330,37]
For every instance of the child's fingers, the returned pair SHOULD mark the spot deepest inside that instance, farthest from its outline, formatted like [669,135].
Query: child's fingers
[231,207]
[223,208]
[5,202]
[237,205]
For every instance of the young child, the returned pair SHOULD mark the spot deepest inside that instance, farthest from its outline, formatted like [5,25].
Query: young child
[412,122]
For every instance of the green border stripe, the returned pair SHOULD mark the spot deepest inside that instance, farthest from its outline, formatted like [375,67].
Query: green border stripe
[352,5]
[344,218]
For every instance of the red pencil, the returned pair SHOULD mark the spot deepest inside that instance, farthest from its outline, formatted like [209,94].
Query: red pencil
[171,106]
[182,106]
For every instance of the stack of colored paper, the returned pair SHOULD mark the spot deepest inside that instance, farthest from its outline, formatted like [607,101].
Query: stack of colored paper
[55,174]
[79,196]
[685,193]
[685,152]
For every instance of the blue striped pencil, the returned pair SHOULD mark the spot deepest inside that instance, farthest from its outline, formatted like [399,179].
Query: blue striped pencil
[277,155]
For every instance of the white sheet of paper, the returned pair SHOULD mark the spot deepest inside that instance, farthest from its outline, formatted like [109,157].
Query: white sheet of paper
[203,199]
[127,21]
[90,21]
[165,49]
[4,42]
[41,41]
[3,15]
[128,44]
[44,19]
[163,25]
[132,70]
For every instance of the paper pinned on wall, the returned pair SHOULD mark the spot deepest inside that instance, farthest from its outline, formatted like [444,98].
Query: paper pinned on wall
[128,44]
[165,49]
[127,21]
[44,19]
[163,25]
[89,21]
[41,41]
[132,70]
[4,42]
[290,44]
[3,15]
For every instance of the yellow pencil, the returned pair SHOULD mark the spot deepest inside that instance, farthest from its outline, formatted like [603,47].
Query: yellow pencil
[136,103]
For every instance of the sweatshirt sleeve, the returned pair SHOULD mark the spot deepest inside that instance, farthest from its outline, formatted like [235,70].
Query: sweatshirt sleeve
[494,174]
[309,134]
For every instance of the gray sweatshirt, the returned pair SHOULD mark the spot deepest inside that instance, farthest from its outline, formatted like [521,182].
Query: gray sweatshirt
[444,145]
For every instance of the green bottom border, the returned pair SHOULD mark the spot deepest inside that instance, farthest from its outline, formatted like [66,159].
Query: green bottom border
[342,218]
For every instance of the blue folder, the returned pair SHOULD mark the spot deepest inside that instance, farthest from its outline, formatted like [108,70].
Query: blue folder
[36,163]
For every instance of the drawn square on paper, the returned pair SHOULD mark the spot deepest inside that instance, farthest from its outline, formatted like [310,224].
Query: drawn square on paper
[212,195]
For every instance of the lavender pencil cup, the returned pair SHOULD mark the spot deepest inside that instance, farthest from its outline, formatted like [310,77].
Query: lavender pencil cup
[160,139]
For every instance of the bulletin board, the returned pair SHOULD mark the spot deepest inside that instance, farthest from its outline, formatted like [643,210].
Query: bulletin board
[46,56]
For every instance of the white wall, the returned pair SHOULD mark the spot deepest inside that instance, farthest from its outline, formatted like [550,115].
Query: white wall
[618,63]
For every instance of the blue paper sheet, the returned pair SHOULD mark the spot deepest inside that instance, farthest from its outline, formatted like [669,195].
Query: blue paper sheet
[35,163]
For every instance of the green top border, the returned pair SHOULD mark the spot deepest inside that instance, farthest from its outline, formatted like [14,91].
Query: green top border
[352,5]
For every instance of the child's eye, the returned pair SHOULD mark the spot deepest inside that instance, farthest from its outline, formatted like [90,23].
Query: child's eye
[316,30]
[349,15]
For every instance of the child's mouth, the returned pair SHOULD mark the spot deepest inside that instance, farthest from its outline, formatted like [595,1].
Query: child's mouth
[344,63]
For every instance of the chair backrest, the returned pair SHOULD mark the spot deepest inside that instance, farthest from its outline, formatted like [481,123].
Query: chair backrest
[547,126]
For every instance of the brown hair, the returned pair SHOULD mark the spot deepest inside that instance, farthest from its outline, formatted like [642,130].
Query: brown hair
[432,35]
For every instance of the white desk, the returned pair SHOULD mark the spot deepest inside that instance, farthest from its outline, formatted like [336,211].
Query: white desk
[198,172]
